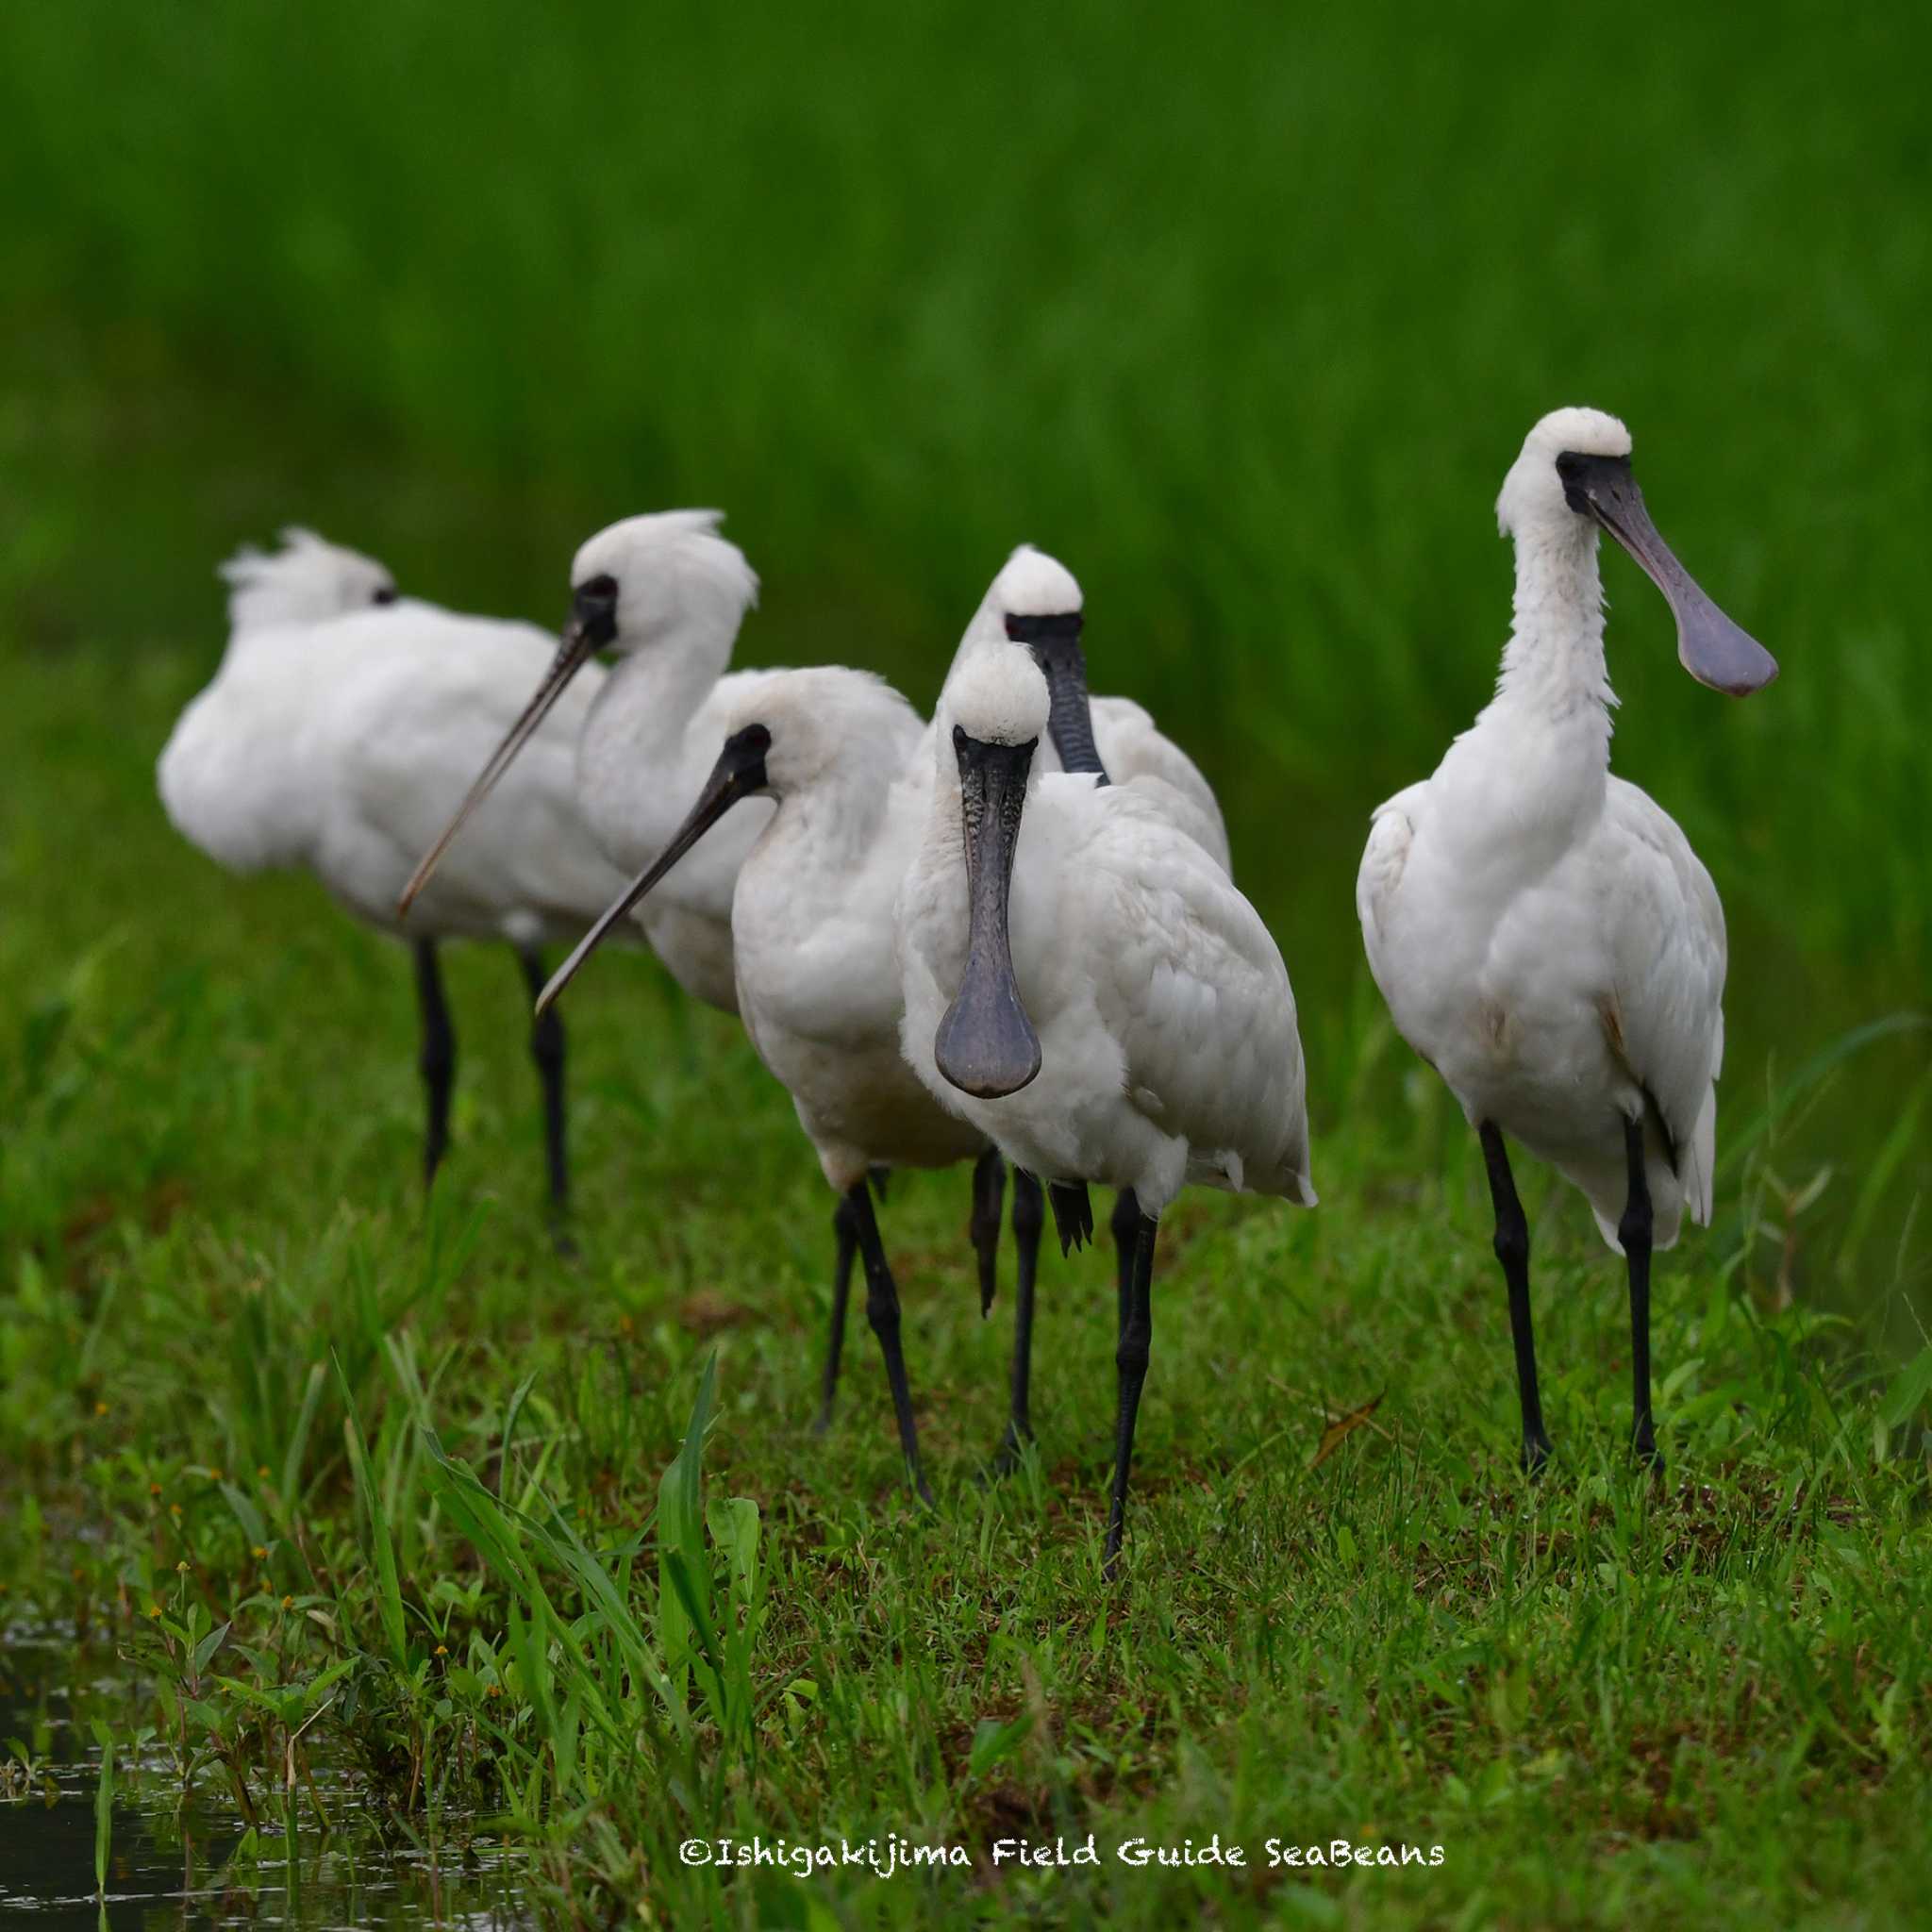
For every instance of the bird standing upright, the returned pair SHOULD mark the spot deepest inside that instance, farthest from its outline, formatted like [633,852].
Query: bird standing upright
[1084,984]
[1542,932]
[812,938]
[341,725]
[667,593]
[1036,602]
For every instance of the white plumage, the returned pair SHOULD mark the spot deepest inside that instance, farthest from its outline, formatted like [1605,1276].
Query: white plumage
[1542,932]
[1167,1042]
[655,726]
[1120,958]
[1557,995]
[812,922]
[811,929]
[340,729]
[667,594]
[1033,585]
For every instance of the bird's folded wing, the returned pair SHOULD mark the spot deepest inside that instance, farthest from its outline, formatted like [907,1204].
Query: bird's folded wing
[419,730]
[1668,955]
[1133,748]
[1390,835]
[1192,984]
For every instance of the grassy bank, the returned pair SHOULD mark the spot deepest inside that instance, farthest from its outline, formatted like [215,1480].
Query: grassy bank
[1604,1704]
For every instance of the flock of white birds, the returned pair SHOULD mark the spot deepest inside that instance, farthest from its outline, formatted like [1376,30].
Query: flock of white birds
[1011,936]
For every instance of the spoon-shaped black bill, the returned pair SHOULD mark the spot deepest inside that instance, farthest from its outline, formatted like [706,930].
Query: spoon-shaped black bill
[1709,646]
[1054,643]
[738,773]
[579,644]
[986,1044]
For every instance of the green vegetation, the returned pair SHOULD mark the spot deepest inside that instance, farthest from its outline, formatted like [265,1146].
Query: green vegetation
[327,1492]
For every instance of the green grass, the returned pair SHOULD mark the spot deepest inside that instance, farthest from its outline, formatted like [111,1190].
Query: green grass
[393,1479]
[1245,318]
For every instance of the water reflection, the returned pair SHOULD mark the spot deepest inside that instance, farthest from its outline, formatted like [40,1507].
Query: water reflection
[178,1865]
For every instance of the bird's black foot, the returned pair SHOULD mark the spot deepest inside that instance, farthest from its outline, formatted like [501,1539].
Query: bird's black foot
[1536,1454]
[1643,1447]
[1073,1213]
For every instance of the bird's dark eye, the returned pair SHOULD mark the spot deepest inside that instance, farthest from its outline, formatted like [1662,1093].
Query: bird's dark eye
[383,594]
[601,585]
[1044,629]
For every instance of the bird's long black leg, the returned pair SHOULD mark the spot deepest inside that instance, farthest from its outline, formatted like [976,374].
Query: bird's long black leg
[882,1311]
[845,1232]
[988,1187]
[437,1059]
[1130,1359]
[1029,1221]
[1634,1231]
[546,1049]
[1512,1250]
[1125,1229]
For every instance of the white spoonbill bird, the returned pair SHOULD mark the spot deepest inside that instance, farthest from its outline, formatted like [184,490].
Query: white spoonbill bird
[1036,601]
[339,725]
[1542,932]
[812,935]
[1085,985]
[667,594]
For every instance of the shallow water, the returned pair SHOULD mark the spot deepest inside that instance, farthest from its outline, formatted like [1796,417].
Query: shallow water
[173,1864]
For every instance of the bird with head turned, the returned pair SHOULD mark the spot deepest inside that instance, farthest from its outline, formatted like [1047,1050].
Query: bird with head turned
[335,737]
[305,581]
[813,940]
[642,579]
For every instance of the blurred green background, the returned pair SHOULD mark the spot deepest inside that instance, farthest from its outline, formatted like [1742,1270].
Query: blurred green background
[1244,312]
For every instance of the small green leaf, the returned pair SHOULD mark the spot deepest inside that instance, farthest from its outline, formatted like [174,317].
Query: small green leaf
[994,1740]
[207,1648]
[1910,1388]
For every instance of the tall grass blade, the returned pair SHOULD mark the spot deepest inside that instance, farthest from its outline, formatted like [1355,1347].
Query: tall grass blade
[683,1579]
[1825,1061]
[1878,1176]
[381,1546]
[298,1438]
[103,1811]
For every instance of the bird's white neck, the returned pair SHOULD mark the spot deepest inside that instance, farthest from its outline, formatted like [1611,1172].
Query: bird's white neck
[945,812]
[1553,675]
[839,815]
[1535,765]
[638,721]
